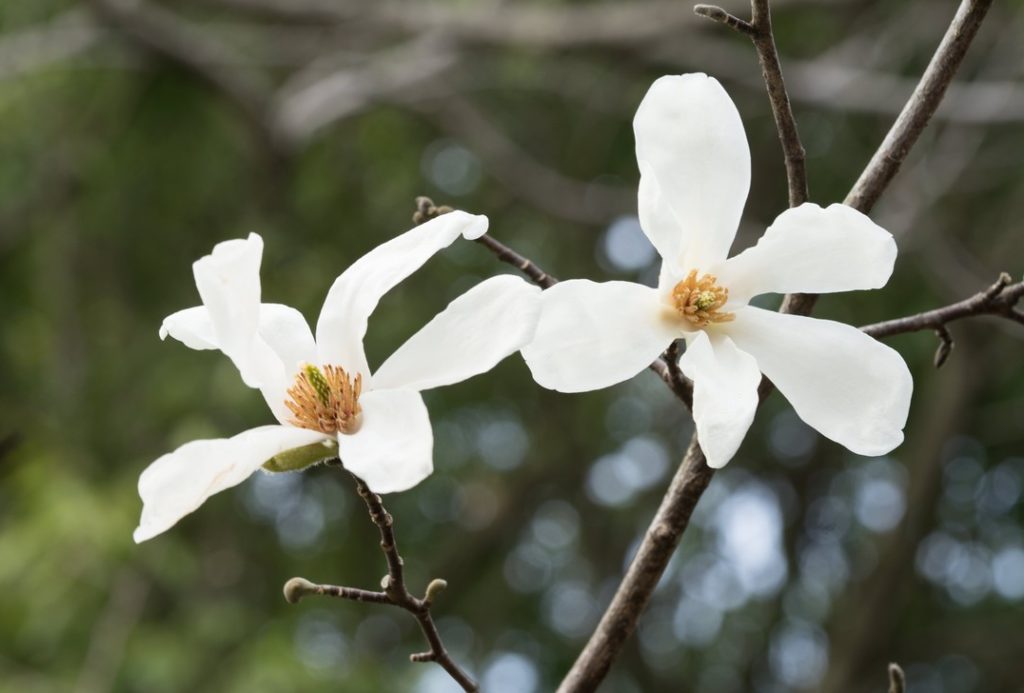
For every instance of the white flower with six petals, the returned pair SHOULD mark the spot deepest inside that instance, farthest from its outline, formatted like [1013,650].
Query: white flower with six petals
[695,174]
[321,390]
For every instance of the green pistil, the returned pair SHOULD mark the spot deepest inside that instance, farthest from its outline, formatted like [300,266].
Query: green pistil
[319,383]
[705,299]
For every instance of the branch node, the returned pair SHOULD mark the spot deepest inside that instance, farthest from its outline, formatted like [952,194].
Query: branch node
[297,588]
[427,210]
[946,345]
[423,657]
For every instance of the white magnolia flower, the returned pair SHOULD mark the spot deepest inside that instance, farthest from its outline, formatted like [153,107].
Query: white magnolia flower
[321,391]
[695,173]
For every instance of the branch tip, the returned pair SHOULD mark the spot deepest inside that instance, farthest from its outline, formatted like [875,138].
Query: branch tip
[427,210]
[897,680]
[717,14]
[297,588]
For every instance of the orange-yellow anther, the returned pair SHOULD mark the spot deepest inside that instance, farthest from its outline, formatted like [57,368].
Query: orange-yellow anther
[325,400]
[699,301]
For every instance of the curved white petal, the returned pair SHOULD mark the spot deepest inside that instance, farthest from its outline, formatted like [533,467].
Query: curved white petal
[192,327]
[282,332]
[657,219]
[594,335]
[228,280]
[494,319]
[689,137]
[287,333]
[813,250]
[850,387]
[355,294]
[282,327]
[393,448]
[180,481]
[725,382]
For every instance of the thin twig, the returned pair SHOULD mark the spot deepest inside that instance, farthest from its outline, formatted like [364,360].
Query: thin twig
[677,382]
[920,107]
[759,30]
[717,14]
[1000,300]
[395,592]
[620,618]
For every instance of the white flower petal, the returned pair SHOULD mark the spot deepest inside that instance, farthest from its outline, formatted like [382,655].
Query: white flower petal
[287,333]
[394,447]
[282,332]
[813,250]
[594,335]
[850,387]
[478,329]
[192,327]
[180,481]
[355,294]
[725,382]
[689,137]
[228,280]
[657,219]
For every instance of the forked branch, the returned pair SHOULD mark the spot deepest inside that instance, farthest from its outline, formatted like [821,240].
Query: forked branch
[1000,300]
[394,590]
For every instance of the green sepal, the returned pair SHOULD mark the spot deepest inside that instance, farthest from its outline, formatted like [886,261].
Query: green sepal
[297,459]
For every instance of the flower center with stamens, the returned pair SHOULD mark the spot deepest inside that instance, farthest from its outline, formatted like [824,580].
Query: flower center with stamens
[699,300]
[325,400]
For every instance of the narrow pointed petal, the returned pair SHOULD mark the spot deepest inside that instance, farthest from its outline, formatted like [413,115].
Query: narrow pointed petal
[181,481]
[851,388]
[394,447]
[478,329]
[192,327]
[228,280]
[355,294]
[690,139]
[591,335]
[813,250]
[725,382]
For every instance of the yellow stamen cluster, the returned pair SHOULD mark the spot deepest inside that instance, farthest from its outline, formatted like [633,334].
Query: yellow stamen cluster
[699,300]
[325,401]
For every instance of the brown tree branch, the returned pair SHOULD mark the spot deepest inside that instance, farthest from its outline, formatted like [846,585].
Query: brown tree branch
[922,105]
[395,592]
[1000,299]
[759,30]
[620,618]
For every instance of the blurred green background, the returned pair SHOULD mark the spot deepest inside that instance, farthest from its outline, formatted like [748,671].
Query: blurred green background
[135,135]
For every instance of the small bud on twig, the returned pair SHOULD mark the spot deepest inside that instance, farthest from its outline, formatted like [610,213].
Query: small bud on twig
[897,681]
[436,587]
[297,588]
